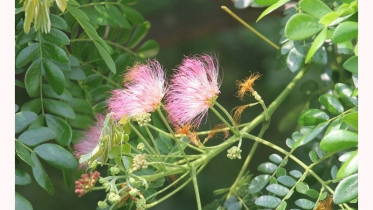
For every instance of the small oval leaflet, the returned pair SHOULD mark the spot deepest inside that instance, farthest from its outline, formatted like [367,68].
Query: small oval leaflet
[286,180]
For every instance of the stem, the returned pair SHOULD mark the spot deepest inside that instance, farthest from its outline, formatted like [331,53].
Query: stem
[41,77]
[227,114]
[195,185]
[143,139]
[107,79]
[249,27]
[154,143]
[224,121]
[108,42]
[173,134]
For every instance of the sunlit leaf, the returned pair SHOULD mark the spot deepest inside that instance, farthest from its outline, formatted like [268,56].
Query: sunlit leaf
[351,64]
[302,26]
[302,187]
[286,180]
[349,167]
[345,93]
[345,31]
[277,189]
[295,173]
[304,203]
[272,8]
[315,8]
[258,183]
[267,167]
[312,117]
[267,201]
[351,119]
[346,190]
[275,158]
[339,140]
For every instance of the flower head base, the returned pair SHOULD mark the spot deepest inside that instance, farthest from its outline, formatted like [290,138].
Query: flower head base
[144,89]
[86,183]
[193,90]
[246,85]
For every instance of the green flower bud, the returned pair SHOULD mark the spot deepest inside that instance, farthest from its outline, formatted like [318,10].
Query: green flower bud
[102,204]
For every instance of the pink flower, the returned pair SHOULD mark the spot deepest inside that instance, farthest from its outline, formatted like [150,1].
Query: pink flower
[144,89]
[90,139]
[193,90]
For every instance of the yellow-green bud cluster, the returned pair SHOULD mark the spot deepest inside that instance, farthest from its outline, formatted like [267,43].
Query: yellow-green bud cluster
[143,119]
[141,203]
[113,198]
[141,146]
[234,153]
[139,162]
[114,170]
[102,204]
[133,192]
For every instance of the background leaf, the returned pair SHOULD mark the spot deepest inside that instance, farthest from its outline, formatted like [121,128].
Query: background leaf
[41,177]
[22,202]
[56,156]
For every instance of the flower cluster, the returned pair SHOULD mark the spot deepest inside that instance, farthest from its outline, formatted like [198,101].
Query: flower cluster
[234,153]
[86,182]
[139,162]
[193,90]
[144,89]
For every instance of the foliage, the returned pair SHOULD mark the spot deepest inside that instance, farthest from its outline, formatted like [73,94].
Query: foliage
[69,67]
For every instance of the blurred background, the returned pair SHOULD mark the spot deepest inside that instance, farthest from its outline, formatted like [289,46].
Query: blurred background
[184,28]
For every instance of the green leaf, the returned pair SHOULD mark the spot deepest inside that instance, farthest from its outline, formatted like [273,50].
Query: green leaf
[277,189]
[118,16]
[54,52]
[132,15]
[302,187]
[100,93]
[22,177]
[150,48]
[275,158]
[312,117]
[312,193]
[345,156]
[33,106]
[313,156]
[267,201]
[289,142]
[119,150]
[33,77]
[356,49]
[55,76]
[56,156]
[24,154]
[295,173]
[122,62]
[106,56]
[41,177]
[94,16]
[304,203]
[23,119]
[35,136]
[49,92]
[105,13]
[287,181]
[296,57]
[258,183]
[351,119]
[80,105]
[327,19]
[346,190]
[320,57]
[301,26]
[127,162]
[339,140]
[336,124]
[138,34]
[76,74]
[74,62]
[265,2]
[349,167]
[67,178]
[345,31]
[24,38]
[59,108]
[267,168]
[58,22]
[315,8]
[310,135]
[22,202]
[272,8]
[282,205]
[319,152]
[16,107]
[345,47]
[61,128]
[27,54]
[81,121]
[334,171]
[345,93]
[331,103]
[317,43]
[280,172]
[56,36]
[351,64]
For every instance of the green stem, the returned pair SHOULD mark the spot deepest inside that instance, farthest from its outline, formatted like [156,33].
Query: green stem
[224,121]
[227,114]
[107,79]
[154,143]
[108,42]
[143,139]
[195,185]
[172,133]
[41,77]
[249,27]
[168,187]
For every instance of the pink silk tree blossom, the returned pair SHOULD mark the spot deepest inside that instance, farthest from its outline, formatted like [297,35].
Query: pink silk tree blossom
[90,139]
[193,90]
[144,89]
